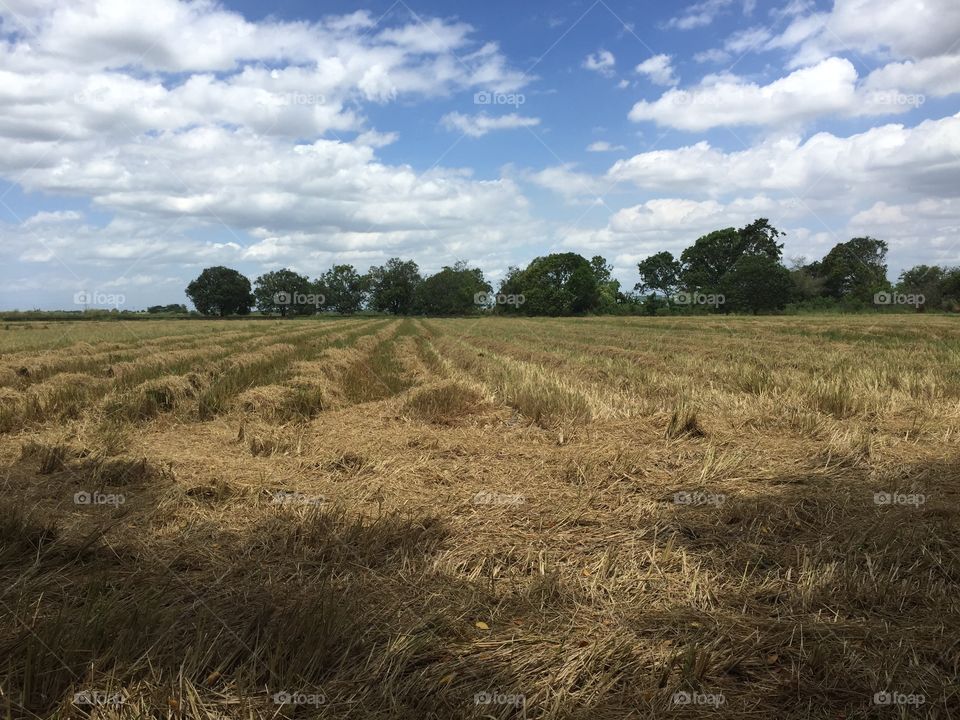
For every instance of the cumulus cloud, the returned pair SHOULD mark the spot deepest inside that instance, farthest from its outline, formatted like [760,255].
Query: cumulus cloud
[183,120]
[891,159]
[481,124]
[601,61]
[831,87]
[658,69]
[905,28]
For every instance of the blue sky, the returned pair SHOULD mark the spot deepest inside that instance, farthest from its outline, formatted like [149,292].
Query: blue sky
[140,143]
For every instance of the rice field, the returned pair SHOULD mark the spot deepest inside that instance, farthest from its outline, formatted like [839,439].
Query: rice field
[481,518]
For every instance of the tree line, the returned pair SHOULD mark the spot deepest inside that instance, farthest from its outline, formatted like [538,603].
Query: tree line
[730,270]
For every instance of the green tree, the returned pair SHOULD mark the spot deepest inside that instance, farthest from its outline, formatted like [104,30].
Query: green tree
[393,286]
[608,288]
[806,278]
[855,270]
[710,258]
[713,255]
[659,273]
[926,280]
[452,291]
[221,291]
[344,289]
[757,283]
[286,292]
[950,290]
[760,238]
[557,284]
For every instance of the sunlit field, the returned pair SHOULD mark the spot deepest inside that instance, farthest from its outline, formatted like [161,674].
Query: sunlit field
[498,518]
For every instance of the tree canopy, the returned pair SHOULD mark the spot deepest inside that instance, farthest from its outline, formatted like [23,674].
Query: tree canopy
[221,291]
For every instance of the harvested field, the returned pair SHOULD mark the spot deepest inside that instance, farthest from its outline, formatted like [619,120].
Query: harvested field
[572,518]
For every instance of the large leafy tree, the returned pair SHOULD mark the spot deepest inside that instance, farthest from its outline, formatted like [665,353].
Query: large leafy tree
[557,284]
[393,286]
[757,283]
[950,289]
[221,291]
[344,289]
[452,291]
[285,292]
[659,273]
[608,288]
[806,278]
[856,269]
[926,280]
[713,255]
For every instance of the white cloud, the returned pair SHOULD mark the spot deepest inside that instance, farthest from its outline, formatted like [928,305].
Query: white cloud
[937,76]
[565,180]
[181,121]
[699,14]
[601,61]
[887,161]
[713,55]
[804,94]
[904,28]
[659,69]
[603,146]
[481,124]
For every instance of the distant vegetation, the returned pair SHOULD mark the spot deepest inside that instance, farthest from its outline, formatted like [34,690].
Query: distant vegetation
[725,271]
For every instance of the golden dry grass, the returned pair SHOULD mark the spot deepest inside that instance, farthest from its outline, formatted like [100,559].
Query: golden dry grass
[502,518]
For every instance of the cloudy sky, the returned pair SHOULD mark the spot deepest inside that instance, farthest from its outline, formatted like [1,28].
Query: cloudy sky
[143,141]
